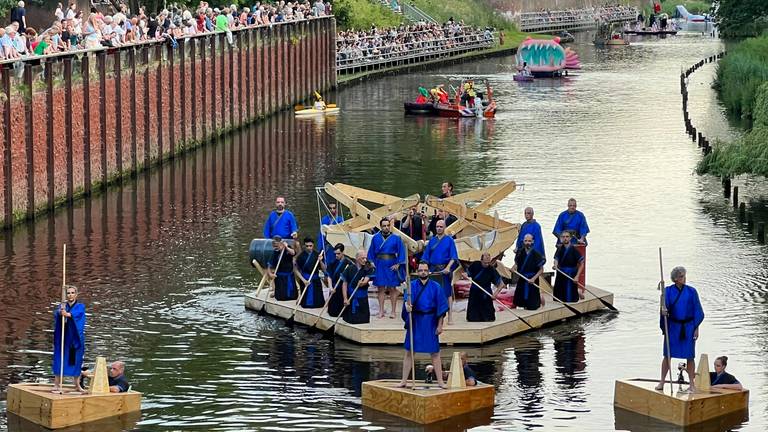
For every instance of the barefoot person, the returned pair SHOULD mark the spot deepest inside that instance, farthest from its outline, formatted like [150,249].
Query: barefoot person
[388,256]
[429,307]
[441,254]
[74,340]
[684,315]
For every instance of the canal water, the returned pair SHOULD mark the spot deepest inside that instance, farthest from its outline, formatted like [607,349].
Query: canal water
[161,261]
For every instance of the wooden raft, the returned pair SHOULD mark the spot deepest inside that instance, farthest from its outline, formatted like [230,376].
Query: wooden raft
[390,331]
[682,409]
[427,403]
[36,403]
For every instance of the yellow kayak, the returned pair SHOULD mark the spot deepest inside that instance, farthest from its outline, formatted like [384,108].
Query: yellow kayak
[312,111]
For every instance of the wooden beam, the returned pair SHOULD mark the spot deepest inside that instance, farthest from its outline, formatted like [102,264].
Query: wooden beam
[488,196]
[464,212]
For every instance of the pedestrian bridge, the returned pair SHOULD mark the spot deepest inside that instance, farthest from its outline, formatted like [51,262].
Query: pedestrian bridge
[573,19]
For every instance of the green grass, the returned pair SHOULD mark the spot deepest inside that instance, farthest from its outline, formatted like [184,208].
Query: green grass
[362,14]
[472,12]
[740,73]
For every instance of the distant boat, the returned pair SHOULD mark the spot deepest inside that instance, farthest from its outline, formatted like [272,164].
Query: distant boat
[523,78]
[682,12]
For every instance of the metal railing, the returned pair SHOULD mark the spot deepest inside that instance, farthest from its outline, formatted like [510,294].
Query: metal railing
[415,14]
[354,59]
[579,19]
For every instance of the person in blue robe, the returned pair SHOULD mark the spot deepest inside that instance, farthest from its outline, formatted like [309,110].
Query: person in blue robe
[720,379]
[333,277]
[355,282]
[530,264]
[441,255]
[333,218]
[281,222]
[307,269]
[426,304]
[74,339]
[532,227]
[480,307]
[684,315]
[388,255]
[573,221]
[569,261]
[281,270]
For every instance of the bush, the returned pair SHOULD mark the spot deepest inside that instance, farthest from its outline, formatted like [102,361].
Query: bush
[362,14]
[740,73]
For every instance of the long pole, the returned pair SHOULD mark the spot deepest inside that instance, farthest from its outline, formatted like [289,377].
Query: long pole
[409,290]
[325,306]
[63,318]
[664,313]
[569,307]
[608,305]
[502,304]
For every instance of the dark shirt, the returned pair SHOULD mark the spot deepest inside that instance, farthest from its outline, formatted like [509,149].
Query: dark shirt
[119,382]
[725,378]
[152,28]
[469,373]
[16,14]
[433,223]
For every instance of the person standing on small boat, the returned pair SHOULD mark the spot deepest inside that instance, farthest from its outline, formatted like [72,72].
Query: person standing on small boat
[333,274]
[303,266]
[532,227]
[333,218]
[684,315]
[720,379]
[355,281]
[480,306]
[428,307]
[575,222]
[441,254]
[530,264]
[388,255]
[569,261]
[281,222]
[280,270]
[74,340]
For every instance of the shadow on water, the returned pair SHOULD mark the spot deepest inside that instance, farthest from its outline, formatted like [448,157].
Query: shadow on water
[634,422]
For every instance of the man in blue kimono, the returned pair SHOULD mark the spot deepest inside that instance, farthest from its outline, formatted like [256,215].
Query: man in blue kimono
[388,255]
[73,313]
[532,227]
[355,282]
[307,270]
[568,260]
[440,253]
[333,278]
[530,264]
[573,221]
[333,218]
[280,270]
[684,315]
[427,304]
[281,222]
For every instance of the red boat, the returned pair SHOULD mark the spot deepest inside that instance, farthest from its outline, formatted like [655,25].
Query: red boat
[465,100]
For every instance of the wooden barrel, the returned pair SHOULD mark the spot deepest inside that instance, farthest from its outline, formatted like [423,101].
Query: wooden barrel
[261,250]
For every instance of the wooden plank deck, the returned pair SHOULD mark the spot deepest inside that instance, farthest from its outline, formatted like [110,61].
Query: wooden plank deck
[390,331]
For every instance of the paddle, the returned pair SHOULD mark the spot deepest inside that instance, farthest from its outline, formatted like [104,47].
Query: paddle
[569,307]
[665,314]
[409,289]
[608,305]
[502,304]
[63,318]
[307,287]
[331,331]
[313,327]
[271,283]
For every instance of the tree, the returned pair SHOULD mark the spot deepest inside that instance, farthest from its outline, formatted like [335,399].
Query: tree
[739,18]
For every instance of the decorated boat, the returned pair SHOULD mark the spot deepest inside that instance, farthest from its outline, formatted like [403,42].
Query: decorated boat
[544,58]
[607,35]
[469,101]
[330,109]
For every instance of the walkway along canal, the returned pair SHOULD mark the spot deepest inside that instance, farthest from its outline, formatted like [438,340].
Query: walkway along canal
[73,123]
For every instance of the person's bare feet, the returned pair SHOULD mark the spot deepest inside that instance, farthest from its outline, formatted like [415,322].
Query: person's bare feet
[659,386]
[442,385]
[381,315]
[56,389]
[392,316]
[402,384]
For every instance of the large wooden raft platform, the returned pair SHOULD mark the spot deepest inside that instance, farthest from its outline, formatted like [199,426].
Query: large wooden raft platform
[390,331]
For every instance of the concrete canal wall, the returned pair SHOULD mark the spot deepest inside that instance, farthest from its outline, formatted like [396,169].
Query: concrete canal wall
[74,123]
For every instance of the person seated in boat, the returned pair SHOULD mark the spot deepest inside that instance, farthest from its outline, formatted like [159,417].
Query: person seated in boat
[319,103]
[115,376]
[469,374]
[525,69]
[720,379]
[422,97]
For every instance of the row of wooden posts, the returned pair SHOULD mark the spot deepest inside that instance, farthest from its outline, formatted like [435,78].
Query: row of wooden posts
[745,216]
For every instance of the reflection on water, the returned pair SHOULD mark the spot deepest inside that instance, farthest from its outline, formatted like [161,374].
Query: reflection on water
[161,260]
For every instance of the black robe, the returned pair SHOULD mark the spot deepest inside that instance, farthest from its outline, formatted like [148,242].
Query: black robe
[305,263]
[358,311]
[480,307]
[285,287]
[335,269]
[528,264]
[568,260]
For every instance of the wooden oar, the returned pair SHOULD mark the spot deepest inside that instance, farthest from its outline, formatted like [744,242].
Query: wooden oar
[313,327]
[502,304]
[569,307]
[291,319]
[608,305]
[271,284]
[410,318]
[665,314]
[331,331]
[63,318]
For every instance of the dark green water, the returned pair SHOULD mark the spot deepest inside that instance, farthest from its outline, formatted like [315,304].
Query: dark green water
[161,261]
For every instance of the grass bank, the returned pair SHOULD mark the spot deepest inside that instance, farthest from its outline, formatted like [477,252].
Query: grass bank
[362,14]
[740,73]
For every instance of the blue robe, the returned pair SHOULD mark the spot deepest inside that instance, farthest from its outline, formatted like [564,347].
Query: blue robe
[528,264]
[429,306]
[358,311]
[285,285]
[568,259]
[533,228]
[394,247]
[574,222]
[685,315]
[329,256]
[437,253]
[74,340]
[335,271]
[305,263]
[480,306]
[283,226]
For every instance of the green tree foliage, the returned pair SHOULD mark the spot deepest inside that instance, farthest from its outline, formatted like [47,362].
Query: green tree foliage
[742,18]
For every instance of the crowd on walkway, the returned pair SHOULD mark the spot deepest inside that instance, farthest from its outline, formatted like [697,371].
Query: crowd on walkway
[73,29]
[379,44]
[600,13]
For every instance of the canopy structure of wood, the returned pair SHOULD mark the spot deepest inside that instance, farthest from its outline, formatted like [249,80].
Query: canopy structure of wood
[475,230]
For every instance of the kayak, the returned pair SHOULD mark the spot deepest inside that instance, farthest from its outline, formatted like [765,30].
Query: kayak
[524,78]
[312,111]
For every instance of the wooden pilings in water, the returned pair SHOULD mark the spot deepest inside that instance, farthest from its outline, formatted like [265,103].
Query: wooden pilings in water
[696,135]
[761,232]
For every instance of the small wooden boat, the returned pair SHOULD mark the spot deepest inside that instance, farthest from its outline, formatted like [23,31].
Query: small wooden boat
[330,110]
[523,78]
[35,403]
[419,108]
[612,42]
